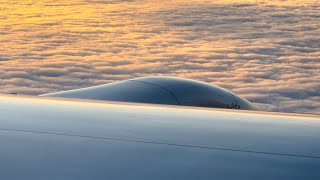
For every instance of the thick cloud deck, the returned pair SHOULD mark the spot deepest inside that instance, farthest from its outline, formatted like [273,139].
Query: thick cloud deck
[266,51]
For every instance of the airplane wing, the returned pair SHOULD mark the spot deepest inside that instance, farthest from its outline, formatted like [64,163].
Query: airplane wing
[46,138]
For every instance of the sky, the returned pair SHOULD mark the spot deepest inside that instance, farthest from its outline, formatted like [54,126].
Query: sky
[267,51]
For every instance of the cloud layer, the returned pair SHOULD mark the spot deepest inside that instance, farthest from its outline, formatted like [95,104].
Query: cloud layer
[265,51]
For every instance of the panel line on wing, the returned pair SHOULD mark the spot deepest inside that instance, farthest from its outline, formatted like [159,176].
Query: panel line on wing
[162,143]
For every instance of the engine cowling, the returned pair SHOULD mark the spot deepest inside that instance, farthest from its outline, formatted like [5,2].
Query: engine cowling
[161,90]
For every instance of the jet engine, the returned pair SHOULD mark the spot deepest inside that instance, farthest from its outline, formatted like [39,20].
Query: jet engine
[161,90]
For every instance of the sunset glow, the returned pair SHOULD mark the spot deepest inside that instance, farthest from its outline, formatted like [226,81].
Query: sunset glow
[265,51]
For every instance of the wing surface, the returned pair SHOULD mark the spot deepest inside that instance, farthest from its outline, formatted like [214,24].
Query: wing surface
[43,138]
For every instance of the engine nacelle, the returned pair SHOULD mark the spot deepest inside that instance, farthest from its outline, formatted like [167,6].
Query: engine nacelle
[161,90]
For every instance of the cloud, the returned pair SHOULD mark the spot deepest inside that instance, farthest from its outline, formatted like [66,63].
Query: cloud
[265,51]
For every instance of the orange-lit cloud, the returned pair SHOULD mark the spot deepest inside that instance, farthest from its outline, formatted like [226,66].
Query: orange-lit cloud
[266,51]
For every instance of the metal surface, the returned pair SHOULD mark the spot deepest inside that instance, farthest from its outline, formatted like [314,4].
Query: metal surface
[68,139]
[161,90]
